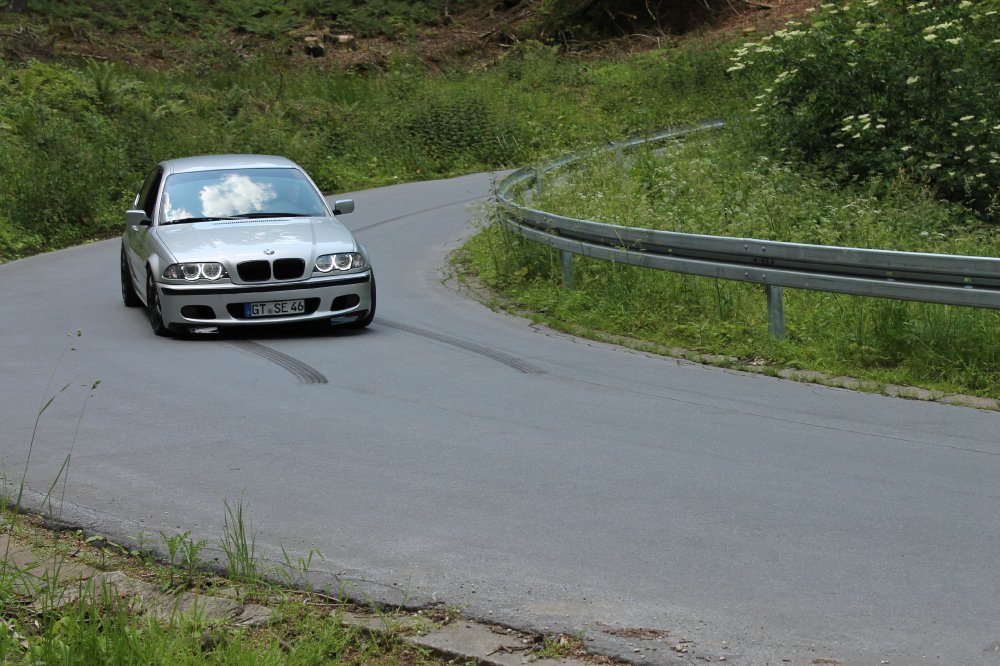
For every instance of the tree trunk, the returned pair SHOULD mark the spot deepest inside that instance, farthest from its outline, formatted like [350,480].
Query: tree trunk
[18,5]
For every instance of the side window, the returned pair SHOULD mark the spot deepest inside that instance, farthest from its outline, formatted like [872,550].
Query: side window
[147,195]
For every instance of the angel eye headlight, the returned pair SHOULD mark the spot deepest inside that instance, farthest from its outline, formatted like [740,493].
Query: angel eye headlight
[194,271]
[324,263]
[211,271]
[343,261]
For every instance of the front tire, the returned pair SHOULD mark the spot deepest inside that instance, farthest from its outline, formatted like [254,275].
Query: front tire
[129,297]
[154,309]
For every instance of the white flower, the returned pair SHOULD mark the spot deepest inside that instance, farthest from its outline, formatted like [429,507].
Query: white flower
[966,118]
[934,166]
[954,40]
[968,148]
[930,38]
[906,149]
[911,80]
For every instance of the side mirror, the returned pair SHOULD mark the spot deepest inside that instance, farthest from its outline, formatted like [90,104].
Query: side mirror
[343,206]
[137,218]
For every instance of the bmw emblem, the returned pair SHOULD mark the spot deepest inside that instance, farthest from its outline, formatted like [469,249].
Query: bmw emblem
[269,252]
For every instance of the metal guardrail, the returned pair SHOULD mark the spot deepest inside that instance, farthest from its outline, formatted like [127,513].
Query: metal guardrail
[930,278]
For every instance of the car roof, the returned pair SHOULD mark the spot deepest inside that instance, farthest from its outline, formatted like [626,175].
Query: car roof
[213,162]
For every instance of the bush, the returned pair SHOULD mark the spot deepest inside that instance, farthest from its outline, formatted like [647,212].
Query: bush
[461,128]
[876,88]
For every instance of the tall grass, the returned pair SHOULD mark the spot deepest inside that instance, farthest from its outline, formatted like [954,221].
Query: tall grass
[79,139]
[714,184]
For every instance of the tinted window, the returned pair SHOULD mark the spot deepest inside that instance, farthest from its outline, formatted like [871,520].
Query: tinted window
[146,199]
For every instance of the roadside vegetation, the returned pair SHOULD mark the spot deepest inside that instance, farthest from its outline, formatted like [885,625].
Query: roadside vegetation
[86,107]
[52,616]
[874,124]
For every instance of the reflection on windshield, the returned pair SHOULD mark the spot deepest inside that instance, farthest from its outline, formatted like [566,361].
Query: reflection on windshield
[172,213]
[235,195]
[234,192]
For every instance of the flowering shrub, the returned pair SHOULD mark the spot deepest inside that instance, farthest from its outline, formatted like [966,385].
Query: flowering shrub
[879,88]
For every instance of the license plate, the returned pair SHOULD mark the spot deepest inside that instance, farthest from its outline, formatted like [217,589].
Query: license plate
[274,308]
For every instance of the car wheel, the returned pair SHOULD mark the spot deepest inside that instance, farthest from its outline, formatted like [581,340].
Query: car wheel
[367,319]
[154,308]
[129,297]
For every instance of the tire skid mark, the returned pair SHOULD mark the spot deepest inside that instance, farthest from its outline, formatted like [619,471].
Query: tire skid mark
[304,373]
[493,354]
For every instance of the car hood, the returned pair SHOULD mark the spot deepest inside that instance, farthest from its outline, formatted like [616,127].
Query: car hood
[236,240]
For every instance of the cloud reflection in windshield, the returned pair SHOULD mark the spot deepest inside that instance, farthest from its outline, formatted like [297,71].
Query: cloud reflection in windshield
[236,194]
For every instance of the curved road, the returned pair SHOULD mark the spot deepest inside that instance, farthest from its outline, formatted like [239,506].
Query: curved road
[454,454]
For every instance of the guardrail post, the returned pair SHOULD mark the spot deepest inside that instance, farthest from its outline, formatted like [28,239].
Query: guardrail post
[775,311]
[566,259]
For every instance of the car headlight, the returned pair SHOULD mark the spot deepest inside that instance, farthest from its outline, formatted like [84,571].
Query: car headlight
[194,271]
[343,261]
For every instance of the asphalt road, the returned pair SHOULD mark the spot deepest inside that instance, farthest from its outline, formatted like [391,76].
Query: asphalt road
[454,454]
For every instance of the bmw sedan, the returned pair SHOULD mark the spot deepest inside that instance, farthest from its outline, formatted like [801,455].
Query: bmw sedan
[239,240]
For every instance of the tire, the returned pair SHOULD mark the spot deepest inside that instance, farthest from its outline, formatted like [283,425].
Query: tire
[154,309]
[367,319]
[129,297]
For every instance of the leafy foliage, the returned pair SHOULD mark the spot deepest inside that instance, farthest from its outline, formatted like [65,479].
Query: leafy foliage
[875,88]
[256,17]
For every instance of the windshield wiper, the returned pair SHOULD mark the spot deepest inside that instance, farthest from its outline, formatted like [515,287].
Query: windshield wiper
[251,216]
[185,220]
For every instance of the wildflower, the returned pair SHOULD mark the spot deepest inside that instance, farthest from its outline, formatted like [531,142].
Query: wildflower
[954,40]
[965,4]
[839,145]
[965,119]
[880,126]
[968,148]
[906,149]
[930,38]
[911,80]
[934,166]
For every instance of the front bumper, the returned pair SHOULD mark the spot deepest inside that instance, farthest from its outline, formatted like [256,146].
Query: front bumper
[343,298]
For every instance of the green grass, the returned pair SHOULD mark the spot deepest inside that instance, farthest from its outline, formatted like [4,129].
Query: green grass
[715,184]
[101,628]
[79,137]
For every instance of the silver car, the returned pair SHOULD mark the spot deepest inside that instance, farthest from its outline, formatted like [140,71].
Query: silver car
[238,240]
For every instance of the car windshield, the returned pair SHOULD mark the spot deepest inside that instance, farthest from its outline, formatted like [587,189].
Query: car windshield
[226,193]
